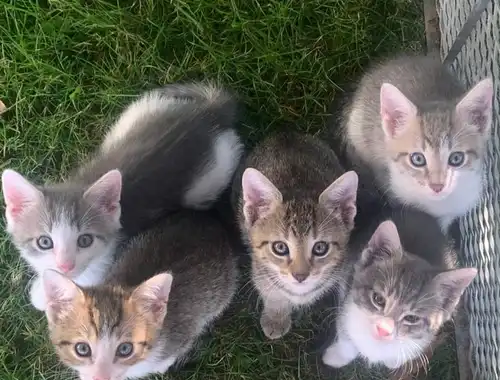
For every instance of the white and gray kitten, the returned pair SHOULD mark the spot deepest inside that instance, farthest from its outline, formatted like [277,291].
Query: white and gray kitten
[170,284]
[405,286]
[174,147]
[296,209]
[415,131]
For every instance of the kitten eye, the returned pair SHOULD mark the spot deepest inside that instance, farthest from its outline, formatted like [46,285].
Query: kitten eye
[85,240]
[320,248]
[378,299]
[280,248]
[83,350]
[411,319]
[456,159]
[418,160]
[44,242]
[124,350]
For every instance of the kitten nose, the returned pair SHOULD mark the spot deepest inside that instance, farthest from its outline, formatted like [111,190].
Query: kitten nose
[100,378]
[436,187]
[384,328]
[300,277]
[66,266]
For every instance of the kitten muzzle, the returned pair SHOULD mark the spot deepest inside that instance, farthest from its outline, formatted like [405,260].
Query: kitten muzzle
[384,329]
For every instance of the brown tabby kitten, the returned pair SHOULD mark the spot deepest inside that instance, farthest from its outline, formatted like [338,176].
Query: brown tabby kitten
[169,285]
[296,209]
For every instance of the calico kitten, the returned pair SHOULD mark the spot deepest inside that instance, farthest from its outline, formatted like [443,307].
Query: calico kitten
[413,130]
[405,286]
[169,285]
[173,147]
[296,209]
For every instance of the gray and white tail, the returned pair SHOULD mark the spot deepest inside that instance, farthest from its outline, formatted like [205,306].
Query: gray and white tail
[175,146]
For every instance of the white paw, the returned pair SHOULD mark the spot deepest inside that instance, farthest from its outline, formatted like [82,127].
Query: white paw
[339,354]
[37,295]
[275,325]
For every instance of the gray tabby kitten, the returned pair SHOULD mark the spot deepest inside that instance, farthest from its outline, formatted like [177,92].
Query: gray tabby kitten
[173,147]
[169,285]
[296,209]
[413,129]
[405,286]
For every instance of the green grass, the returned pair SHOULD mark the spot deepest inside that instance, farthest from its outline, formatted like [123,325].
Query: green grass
[68,67]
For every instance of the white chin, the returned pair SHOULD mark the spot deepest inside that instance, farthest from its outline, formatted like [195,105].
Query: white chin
[300,288]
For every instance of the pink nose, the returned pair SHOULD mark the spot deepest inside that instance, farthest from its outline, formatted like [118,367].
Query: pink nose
[100,378]
[66,266]
[384,328]
[436,187]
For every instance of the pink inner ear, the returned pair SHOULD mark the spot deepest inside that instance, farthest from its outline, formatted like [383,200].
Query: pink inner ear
[18,193]
[396,110]
[259,194]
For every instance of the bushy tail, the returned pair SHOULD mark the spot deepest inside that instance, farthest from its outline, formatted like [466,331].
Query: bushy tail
[176,147]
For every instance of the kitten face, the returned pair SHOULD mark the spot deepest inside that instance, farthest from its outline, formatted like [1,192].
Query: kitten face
[397,297]
[433,151]
[103,332]
[60,227]
[298,244]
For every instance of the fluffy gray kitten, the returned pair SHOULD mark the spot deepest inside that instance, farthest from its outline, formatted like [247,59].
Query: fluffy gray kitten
[169,285]
[296,209]
[173,147]
[405,286]
[414,130]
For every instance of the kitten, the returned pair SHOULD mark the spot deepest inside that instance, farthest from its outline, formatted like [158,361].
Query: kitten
[413,130]
[169,285]
[173,147]
[296,208]
[405,286]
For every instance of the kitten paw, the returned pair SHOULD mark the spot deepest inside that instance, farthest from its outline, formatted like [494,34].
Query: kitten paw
[275,326]
[37,295]
[339,354]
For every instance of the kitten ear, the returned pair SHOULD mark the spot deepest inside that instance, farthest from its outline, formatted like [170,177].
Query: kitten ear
[106,192]
[152,295]
[384,243]
[475,108]
[396,110]
[341,195]
[60,294]
[451,284]
[19,194]
[260,196]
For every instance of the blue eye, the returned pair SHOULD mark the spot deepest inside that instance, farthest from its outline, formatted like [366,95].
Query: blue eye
[280,248]
[378,299]
[456,159]
[85,240]
[124,350]
[44,242]
[411,319]
[320,248]
[83,350]
[418,160]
